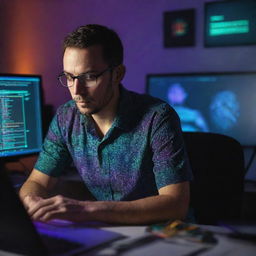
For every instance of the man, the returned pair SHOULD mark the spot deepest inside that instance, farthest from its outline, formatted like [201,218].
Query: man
[127,147]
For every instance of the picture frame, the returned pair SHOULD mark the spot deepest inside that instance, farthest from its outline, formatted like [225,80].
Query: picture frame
[179,28]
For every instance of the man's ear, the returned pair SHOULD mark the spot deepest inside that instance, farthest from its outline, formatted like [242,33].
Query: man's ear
[118,74]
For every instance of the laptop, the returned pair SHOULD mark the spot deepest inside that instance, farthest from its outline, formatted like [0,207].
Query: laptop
[20,235]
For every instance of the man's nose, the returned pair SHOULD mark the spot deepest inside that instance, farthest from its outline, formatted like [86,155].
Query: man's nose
[79,88]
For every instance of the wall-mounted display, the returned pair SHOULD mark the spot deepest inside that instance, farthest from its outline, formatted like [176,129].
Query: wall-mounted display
[229,23]
[222,103]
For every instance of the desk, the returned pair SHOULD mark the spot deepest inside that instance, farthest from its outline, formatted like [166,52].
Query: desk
[225,246]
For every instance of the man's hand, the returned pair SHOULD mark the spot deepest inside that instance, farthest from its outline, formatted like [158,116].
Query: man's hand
[30,200]
[57,207]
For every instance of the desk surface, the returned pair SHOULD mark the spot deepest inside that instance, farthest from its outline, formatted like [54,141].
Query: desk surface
[225,246]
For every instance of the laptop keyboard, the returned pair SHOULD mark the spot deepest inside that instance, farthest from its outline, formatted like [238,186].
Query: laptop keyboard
[57,245]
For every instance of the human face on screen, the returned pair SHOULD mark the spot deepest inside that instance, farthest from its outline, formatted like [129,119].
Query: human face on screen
[176,94]
[90,100]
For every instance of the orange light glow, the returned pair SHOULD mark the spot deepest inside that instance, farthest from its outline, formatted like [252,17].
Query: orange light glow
[22,38]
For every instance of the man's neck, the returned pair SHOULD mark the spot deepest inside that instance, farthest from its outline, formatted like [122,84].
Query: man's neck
[104,119]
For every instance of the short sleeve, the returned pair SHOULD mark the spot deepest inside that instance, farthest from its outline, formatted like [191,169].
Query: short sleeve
[54,156]
[169,156]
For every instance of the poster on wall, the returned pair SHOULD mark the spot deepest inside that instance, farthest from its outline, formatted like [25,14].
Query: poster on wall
[179,28]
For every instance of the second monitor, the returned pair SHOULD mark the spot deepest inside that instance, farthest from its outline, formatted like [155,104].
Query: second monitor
[20,115]
[222,103]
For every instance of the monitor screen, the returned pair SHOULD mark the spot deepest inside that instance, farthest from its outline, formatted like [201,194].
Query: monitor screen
[231,22]
[222,103]
[20,115]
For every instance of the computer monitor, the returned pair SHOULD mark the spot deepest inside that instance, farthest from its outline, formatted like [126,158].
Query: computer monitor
[222,103]
[20,115]
[231,22]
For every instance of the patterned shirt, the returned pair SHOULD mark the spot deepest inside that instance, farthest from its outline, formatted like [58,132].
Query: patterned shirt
[142,151]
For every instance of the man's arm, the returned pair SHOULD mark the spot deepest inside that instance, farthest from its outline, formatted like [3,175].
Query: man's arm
[171,203]
[37,185]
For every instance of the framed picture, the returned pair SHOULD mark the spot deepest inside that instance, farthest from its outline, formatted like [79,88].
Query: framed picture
[179,28]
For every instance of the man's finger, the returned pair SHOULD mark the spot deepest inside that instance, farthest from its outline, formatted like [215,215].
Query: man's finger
[39,204]
[44,211]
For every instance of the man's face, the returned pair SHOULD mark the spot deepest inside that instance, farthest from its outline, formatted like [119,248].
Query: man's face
[89,60]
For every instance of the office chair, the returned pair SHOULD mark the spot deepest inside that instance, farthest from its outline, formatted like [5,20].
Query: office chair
[217,163]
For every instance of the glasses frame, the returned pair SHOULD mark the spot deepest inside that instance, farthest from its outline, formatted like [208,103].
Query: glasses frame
[85,76]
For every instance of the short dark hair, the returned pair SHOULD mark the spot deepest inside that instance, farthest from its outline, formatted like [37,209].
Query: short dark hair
[93,34]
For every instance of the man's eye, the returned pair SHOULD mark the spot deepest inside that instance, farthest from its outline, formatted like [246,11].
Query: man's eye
[69,78]
[90,77]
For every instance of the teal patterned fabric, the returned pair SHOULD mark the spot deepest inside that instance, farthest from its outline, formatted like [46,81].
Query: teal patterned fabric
[142,152]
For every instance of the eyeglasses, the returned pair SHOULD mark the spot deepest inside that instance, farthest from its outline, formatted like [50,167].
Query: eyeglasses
[86,79]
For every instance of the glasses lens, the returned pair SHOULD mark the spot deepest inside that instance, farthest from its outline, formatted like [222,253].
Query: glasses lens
[87,81]
[63,80]
[84,80]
